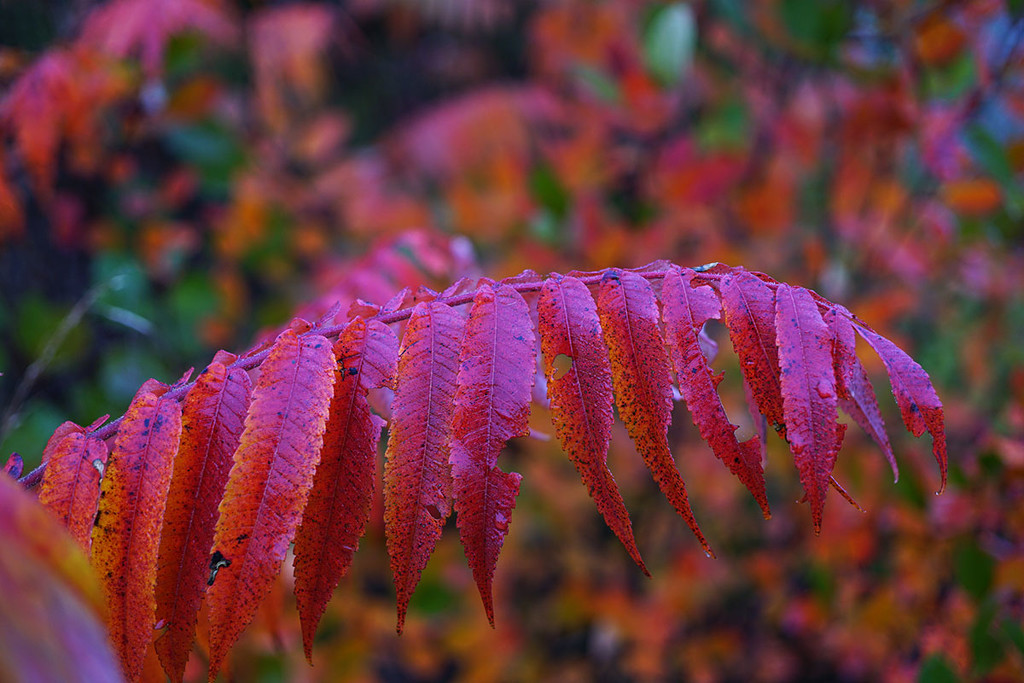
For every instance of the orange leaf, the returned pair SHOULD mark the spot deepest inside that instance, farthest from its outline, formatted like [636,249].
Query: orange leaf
[417,476]
[643,380]
[127,533]
[62,430]
[581,399]
[972,197]
[938,40]
[211,423]
[269,482]
[71,483]
[342,494]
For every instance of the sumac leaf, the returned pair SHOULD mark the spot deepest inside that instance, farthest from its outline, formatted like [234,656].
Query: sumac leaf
[212,420]
[856,394]
[492,405]
[58,435]
[750,316]
[144,27]
[919,404]
[685,309]
[269,481]
[642,380]
[342,494]
[126,537]
[417,475]
[71,483]
[808,391]
[581,399]
[14,465]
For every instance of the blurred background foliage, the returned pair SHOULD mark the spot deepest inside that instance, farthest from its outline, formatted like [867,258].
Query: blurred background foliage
[178,176]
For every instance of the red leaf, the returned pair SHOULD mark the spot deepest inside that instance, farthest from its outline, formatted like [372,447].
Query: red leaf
[35,110]
[643,380]
[750,315]
[12,216]
[212,418]
[71,482]
[492,405]
[342,494]
[919,404]
[58,435]
[686,309]
[14,465]
[144,27]
[269,482]
[581,399]
[51,627]
[808,391]
[856,394]
[127,533]
[417,476]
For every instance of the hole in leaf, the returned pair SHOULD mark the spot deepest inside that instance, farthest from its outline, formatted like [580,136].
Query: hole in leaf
[434,511]
[217,562]
[561,366]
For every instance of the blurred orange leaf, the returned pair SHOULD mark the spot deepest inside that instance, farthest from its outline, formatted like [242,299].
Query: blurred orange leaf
[972,197]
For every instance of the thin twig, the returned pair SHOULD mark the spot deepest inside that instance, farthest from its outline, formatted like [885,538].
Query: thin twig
[39,365]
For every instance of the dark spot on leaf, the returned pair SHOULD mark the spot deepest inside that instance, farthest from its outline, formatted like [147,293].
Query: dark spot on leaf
[434,511]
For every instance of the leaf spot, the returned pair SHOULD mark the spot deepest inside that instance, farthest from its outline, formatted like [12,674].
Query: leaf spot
[824,390]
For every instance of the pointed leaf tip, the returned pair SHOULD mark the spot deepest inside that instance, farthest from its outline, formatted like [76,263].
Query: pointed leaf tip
[918,403]
[808,388]
[492,405]
[856,394]
[685,310]
[642,381]
[339,504]
[417,475]
[581,399]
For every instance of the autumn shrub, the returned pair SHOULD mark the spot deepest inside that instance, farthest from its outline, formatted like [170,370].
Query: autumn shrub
[178,178]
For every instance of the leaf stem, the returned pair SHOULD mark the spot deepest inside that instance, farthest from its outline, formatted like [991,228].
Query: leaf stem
[710,276]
